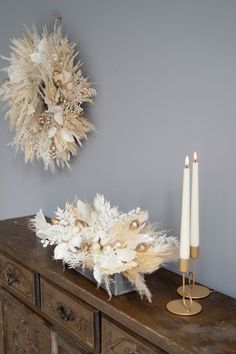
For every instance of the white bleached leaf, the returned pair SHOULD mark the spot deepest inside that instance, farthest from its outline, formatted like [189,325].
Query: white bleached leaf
[15,74]
[36,58]
[52,132]
[84,210]
[66,76]
[44,45]
[54,56]
[30,109]
[97,274]
[58,118]
[60,250]
[75,242]
[67,136]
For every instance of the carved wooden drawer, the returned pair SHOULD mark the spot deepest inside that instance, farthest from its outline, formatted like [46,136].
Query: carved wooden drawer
[17,278]
[118,341]
[74,317]
[21,330]
[62,346]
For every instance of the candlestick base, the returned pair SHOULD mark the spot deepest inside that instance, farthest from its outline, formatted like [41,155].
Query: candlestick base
[184,307]
[195,291]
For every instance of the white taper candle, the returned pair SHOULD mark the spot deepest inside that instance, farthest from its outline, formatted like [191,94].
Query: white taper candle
[194,224]
[185,216]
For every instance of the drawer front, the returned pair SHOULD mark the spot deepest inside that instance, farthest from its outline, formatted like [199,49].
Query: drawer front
[72,316]
[17,278]
[21,330]
[118,341]
[61,346]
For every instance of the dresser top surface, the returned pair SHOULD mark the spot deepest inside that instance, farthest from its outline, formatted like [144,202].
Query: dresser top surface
[211,331]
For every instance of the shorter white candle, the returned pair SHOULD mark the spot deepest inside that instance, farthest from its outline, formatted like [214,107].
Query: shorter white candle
[194,228]
[185,216]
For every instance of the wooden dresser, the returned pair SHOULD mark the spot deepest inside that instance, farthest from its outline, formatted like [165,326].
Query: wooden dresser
[45,309]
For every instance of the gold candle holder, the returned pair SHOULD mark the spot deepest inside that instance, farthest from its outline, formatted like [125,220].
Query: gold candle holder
[183,307]
[193,290]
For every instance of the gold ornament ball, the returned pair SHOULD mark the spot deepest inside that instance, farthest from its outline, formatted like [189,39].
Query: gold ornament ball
[60,100]
[134,225]
[95,247]
[54,221]
[40,129]
[118,244]
[81,223]
[142,247]
[53,148]
[41,120]
[77,229]
[84,247]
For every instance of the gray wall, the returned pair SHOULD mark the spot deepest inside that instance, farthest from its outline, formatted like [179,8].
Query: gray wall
[165,72]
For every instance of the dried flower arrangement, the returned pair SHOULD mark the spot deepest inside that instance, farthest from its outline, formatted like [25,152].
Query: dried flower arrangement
[106,241]
[45,90]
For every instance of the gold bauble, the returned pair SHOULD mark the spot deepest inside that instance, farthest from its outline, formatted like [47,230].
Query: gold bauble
[142,247]
[118,244]
[95,247]
[84,247]
[81,223]
[53,147]
[41,120]
[40,129]
[60,100]
[54,221]
[134,225]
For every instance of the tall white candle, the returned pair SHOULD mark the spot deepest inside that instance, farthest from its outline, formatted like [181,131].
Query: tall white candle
[185,216]
[194,228]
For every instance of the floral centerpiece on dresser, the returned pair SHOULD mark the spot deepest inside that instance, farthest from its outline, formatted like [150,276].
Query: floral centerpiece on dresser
[99,238]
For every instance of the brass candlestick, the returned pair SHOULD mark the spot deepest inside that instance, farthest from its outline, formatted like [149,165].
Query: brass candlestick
[182,306]
[194,290]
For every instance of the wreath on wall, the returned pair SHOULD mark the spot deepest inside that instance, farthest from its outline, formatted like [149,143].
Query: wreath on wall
[45,91]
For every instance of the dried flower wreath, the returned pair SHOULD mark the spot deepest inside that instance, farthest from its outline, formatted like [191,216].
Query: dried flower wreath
[45,91]
[100,238]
